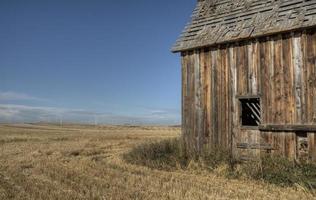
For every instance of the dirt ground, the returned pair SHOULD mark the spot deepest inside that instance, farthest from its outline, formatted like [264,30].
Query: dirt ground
[85,162]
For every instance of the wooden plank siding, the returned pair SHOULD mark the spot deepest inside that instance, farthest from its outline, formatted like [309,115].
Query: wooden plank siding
[280,69]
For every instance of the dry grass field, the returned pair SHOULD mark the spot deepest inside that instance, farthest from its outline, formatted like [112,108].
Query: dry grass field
[85,162]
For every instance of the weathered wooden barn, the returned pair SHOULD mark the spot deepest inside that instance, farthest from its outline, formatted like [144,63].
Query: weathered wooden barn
[249,77]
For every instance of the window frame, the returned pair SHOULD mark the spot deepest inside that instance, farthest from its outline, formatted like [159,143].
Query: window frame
[239,98]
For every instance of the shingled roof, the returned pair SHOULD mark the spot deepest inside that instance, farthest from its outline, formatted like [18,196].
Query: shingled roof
[220,21]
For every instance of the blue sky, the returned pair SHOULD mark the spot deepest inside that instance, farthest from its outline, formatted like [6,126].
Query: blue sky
[80,60]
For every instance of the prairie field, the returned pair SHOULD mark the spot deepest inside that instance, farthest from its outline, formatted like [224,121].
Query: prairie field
[42,161]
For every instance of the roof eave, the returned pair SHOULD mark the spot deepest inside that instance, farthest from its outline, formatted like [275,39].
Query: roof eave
[177,48]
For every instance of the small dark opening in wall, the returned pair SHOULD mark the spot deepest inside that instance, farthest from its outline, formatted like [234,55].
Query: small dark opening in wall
[302,145]
[250,112]
[301,134]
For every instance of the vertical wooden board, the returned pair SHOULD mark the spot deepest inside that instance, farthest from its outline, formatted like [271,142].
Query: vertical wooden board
[245,70]
[196,80]
[279,140]
[287,111]
[305,91]
[268,76]
[250,67]
[282,144]
[223,99]
[239,71]
[233,87]
[276,138]
[207,95]
[255,69]
[196,97]
[258,141]
[270,139]
[276,110]
[262,80]
[287,145]
[218,86]
[270,91]
[304,77]
[223,93]
[229,100]
[225,110]
[238,90]
[214,88]
[259,68]
[242,87]
[192,103]
[312,146]
[297,60]
[229,122]
[290,145]
[184,95]
[293,144]
[309,74]
[201,114]
[265,81]
[291,87]
[282,108]
[243,138]
[265,138]
[313,79]
[220,96]
[197,106]
[211,137]
[190,116]
[188,101]
[249,139]
[254,138]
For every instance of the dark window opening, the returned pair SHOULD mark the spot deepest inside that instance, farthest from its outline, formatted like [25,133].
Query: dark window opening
[250,112]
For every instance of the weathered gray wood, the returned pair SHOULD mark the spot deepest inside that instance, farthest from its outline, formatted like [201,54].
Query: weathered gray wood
[272,69]
[214,97]
[235,20]
[197,96]
[297,56]
[312,146]
[262,146]
[248,96]
[233,82]
[284,127]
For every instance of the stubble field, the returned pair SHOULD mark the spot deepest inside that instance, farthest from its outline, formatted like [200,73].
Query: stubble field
[85,162]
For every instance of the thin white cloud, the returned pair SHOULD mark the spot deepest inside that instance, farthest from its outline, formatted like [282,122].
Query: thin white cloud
[22,113]
[13,96]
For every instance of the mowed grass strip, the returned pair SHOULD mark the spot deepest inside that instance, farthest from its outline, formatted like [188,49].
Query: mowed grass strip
[87,162]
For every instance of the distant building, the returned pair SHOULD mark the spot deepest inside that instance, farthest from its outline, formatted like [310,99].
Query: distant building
[249,77]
